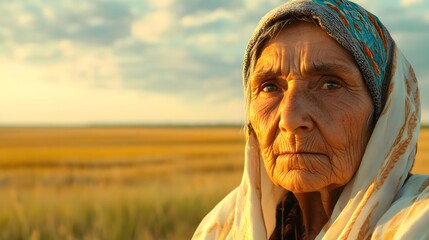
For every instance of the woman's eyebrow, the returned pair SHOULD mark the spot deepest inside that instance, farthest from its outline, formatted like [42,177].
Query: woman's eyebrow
[329,68]
[314,68]
[263,74]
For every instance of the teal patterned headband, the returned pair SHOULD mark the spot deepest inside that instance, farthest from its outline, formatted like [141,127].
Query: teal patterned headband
[357,30]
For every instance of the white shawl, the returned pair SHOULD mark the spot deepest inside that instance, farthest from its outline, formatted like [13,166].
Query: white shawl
[379,202]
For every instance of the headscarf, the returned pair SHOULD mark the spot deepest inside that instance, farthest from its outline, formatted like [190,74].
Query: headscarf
[357,30]
[382,200]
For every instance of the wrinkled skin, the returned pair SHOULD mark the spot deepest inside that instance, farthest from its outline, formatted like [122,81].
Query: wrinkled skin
[311,112]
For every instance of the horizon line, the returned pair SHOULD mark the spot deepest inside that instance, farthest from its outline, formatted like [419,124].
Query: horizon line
[130,125]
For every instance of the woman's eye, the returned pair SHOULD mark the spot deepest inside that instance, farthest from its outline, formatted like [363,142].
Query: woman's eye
[330,85]
[270,87]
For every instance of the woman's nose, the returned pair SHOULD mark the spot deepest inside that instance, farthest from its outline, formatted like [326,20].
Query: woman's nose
[295,111]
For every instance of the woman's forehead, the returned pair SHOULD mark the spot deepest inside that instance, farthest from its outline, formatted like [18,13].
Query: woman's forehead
[305,44]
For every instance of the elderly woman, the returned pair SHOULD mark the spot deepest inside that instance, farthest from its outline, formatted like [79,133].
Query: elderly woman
[333,119]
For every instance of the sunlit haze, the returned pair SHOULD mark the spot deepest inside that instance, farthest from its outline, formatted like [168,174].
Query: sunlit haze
[151,61]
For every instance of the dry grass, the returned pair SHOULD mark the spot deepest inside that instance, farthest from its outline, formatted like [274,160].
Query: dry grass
[119,183]
[421,164]
[113,183]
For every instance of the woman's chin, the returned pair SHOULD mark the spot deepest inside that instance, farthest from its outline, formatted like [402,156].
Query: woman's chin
[302,181]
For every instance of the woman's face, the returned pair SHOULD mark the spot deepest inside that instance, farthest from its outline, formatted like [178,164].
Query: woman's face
[310,110]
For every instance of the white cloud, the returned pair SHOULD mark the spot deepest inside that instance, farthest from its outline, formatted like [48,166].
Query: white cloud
[66,48]
[80,6]
[65,62]
[72,28]
[6,34]
[95,21]
[360,1]
[256,5]
[152,27]
[90,67]
[24,19]
[48,13]
[204,18]
[206,41]
[63,93]
[426,17]
[407,3]
[161,4]
[210,42]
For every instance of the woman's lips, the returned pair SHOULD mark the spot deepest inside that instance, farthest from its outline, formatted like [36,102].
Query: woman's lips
[303,153]
[310,161]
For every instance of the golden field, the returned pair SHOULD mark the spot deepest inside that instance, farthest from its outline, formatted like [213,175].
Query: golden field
[120,183]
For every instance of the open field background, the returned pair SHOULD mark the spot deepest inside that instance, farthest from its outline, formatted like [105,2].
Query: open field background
[120,183]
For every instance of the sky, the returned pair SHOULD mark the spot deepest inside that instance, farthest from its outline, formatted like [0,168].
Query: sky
[151,61]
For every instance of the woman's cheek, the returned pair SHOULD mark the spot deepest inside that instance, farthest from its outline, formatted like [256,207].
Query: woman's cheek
[260,119]
[348,155]
[263,124]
